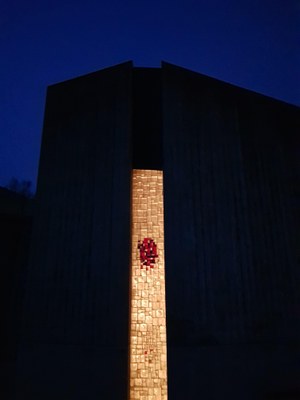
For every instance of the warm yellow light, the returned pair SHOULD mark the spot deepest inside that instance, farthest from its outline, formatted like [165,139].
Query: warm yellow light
[148,347]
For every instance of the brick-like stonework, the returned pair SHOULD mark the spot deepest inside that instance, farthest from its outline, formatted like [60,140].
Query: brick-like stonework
[148,350]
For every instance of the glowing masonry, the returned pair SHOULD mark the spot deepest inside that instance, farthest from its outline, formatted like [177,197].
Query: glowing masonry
[148,348]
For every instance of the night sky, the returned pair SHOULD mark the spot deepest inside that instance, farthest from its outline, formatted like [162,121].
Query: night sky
[253,44]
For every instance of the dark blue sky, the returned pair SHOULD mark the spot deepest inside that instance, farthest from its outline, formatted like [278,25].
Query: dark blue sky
[253,44]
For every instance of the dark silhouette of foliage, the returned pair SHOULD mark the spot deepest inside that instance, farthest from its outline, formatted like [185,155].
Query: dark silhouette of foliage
[22,187]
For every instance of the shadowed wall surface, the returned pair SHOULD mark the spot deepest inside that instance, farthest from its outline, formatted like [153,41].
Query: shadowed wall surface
[75,331]
[230,167]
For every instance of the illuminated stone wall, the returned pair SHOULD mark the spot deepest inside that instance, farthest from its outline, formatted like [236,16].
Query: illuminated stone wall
[148,358]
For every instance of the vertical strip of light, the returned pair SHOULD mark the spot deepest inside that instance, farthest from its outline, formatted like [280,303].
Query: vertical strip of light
[148,346]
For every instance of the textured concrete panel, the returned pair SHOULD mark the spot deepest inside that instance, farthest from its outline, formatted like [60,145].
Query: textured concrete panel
[231,259]
[77,295]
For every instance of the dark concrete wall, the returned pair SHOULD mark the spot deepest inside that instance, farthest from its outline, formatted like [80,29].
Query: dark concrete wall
[230,174]
[75,326]
[147,119]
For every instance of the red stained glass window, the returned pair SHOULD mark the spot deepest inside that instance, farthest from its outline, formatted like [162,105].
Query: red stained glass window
[148,253]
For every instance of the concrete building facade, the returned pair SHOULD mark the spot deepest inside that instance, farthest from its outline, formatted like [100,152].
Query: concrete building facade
[231,173]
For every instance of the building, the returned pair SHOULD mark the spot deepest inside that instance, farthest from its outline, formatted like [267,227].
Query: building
[229,162]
